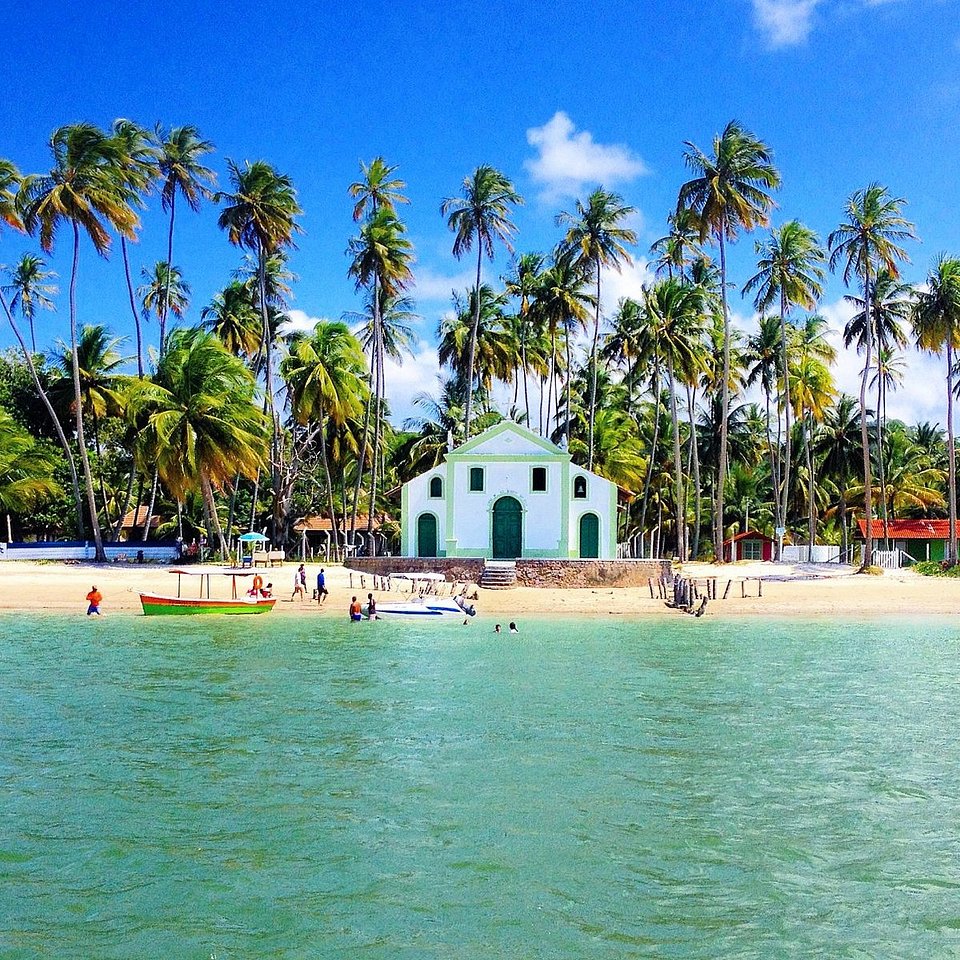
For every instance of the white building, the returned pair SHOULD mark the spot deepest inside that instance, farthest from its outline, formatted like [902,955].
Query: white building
[508,493]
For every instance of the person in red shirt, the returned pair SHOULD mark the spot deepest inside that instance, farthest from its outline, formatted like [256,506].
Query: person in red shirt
[94,599]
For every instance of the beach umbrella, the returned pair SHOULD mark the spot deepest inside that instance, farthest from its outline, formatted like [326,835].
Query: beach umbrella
[252,537]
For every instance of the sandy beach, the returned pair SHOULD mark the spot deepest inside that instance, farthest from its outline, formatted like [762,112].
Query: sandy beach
[802,591]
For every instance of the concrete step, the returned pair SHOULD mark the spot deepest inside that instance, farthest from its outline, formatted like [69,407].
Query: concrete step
[499,575]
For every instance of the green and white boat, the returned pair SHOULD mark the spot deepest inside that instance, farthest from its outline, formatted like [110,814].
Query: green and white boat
[155,605]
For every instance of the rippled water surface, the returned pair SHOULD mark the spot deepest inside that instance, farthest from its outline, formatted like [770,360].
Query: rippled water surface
[291,788]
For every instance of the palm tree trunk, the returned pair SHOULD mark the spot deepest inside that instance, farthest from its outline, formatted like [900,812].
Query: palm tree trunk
[232,511]
[526,385]
[279,531]
[254,499]
[785,373]
[881,466]
[651,459]
[214,530]
[951,457]
[811,521]
[864,432]
[695,451]
[724,400]
[472,352]
[680,516]
[100,556]
[568,413]
[133,305]
[55,420]
[326,471]
[774,471]
[115,536]
[593,372]
[377,423]
[155,484]
[166,286]
[96,446]
[361,457]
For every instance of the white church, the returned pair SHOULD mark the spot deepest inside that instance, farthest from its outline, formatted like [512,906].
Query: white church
[508,493]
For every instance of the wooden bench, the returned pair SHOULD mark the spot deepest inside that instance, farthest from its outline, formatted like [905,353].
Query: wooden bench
[276,557]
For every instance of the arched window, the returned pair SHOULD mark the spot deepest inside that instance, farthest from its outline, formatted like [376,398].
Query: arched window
[580,488]
[436,487]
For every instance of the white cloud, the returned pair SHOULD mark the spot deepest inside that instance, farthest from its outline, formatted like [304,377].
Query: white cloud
[298,321]
[435,286]
[784,23]
[629,282]
[417,374]
[568,160]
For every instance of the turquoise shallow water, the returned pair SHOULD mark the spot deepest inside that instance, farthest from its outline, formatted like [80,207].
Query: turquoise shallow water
[607,789]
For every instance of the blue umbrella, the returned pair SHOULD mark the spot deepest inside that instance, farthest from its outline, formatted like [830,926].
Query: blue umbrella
[252,537]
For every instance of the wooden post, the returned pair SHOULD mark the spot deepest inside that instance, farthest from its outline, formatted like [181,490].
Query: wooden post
[759,586]
[743,588]
[650,585]
[725,592]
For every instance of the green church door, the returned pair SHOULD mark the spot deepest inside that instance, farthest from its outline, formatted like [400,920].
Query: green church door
[507,529]
[589,537]
[426,535]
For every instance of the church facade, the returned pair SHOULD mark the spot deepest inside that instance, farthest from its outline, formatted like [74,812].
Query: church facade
[505,494]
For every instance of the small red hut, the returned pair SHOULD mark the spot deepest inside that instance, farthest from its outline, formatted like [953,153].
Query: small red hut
[749,545]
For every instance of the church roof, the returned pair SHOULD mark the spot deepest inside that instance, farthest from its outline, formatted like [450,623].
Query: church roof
[508,438]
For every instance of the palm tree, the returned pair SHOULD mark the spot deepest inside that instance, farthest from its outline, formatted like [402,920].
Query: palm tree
[562,302]
[26,470]
[837,445]
[680,246]
[80,190]
[180,151]
[101,382]
[763,358]
[728,194]
[260,216]
[376,189]
[163,291]
[480,216]
[325,371]
[232,316]
[788,275]
[675,315]
[381,262]
[521,283]
[815,390]
[29,290]
[891,302]
[596,239]
[10,181]
[936,324]
[135,171]
[201,426]
[866,242]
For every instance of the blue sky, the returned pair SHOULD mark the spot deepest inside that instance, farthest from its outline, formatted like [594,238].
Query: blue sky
[559,95]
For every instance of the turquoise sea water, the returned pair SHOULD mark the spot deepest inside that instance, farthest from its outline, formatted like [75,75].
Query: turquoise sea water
[285,788]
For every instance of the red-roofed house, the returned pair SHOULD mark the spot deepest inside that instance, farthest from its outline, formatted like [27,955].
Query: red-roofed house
[922,539]
[749,545]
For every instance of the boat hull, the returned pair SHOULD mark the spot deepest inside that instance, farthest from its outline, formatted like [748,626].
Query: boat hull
[422,610]
[154,606]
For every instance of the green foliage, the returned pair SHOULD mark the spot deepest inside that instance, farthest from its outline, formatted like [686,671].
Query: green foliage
[936,568]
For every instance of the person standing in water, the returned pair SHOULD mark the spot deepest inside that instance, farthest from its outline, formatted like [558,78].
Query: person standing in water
[94,599]
[371,607]
[356,613]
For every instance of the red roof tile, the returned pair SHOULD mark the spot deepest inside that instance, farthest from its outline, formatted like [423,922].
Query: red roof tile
[909,529]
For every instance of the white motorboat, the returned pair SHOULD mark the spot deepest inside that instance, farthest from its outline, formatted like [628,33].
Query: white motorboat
[424,608]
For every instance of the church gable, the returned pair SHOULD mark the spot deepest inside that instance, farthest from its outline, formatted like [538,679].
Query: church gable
[508,439]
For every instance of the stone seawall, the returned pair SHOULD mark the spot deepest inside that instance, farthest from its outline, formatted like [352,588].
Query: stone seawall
[530,573]
[456,568]
[590,573]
